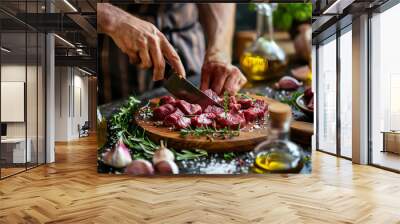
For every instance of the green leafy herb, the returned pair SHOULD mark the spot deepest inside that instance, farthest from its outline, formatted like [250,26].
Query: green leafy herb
[244,96]
[187,155]
[211,133]
[286,14]
[141,147]
[306,159]
[229,155]
[226,102]
[291,100]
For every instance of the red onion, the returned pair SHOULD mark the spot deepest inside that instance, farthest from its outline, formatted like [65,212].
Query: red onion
[140,167]
[288,83]
[167,167]
[119,156]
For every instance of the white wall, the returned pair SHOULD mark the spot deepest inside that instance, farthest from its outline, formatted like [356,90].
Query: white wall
[34,125]
[71,94]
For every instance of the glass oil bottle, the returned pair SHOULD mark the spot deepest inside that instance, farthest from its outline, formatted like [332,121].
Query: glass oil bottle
[278,154]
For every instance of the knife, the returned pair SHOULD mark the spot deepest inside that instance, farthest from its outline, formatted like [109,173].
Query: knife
[183,89]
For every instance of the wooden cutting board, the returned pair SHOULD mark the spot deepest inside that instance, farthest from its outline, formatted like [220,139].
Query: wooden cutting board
[246,141]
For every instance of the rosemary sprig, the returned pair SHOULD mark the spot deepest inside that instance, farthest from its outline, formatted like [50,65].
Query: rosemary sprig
[211,133]
[226,102]
[244,96]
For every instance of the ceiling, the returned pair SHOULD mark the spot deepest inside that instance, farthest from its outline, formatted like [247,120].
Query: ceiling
[332,15]
[72,20]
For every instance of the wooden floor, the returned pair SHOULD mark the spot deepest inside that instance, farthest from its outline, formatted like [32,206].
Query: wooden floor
[387,159]
[71,191]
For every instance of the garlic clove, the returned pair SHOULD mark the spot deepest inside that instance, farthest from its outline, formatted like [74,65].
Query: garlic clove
[163,153]
[119,156]
[140,167]
[167,167]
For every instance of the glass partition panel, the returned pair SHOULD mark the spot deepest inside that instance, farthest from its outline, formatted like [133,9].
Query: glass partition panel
[327,96]
[41,79]
[346,94]
[15,151]
[32,98]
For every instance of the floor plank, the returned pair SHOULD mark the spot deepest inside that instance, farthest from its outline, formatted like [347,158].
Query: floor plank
[71,191]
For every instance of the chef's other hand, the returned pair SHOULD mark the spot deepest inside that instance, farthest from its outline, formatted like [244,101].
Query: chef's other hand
[221,77]
[139,39]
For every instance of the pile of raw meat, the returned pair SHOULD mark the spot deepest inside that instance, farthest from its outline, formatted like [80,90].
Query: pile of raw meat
[180,114]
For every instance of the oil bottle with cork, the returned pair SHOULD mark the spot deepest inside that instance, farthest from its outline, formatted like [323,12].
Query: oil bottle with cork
[278,154]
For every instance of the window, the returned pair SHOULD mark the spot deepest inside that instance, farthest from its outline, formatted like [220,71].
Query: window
[327,96]
[346,95]
[385,89]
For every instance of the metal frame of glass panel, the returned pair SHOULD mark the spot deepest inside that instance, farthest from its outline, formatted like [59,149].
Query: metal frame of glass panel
[339,32]
[44,75]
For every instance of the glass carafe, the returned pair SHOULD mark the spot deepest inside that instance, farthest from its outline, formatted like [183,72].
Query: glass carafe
[278,154]
[264,59]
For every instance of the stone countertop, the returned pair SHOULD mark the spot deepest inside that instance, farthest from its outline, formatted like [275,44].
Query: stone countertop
[214,163]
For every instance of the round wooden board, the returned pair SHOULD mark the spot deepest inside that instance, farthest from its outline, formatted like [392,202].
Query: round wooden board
[246,141]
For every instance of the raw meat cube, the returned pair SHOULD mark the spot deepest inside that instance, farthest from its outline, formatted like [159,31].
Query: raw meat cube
[253,113]
[234,107]
[246,103]
[260,104]
[214,109]
[183,122]
[187,108]
[232,100]
[177,120]
[203,120]
[167,100]
[212,95]
[230,120]
[161,112]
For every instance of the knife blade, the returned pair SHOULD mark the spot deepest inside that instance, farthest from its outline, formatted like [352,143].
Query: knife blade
[183,89]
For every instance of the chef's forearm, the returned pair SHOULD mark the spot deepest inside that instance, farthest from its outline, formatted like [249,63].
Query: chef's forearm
[218,21]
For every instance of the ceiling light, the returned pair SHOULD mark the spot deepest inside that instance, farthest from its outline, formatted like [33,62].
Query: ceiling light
[65,41]
[84,71]
[337,7]
[70,5]
[5,50]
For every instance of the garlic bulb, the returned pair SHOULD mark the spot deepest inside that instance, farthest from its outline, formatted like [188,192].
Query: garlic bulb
[163,154]
[119,156]
[140,167]
[167,167]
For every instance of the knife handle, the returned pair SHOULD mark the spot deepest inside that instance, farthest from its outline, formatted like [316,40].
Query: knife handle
[168,70]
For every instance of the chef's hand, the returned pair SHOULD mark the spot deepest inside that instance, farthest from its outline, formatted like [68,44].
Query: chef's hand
[220,76]
[139,39]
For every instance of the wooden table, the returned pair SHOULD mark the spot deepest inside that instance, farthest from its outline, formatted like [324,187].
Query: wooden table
[391,141]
